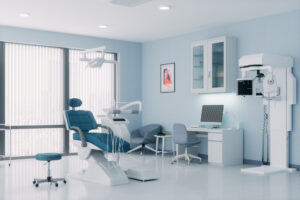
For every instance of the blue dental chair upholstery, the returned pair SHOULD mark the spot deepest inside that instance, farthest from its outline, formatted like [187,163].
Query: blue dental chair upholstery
[144,136]
[82,122]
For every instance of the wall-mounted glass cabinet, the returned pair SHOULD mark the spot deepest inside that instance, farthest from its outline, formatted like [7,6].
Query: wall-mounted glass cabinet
[214,65]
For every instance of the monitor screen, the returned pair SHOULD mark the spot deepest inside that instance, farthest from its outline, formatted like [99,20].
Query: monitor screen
[245,87]
[212,114]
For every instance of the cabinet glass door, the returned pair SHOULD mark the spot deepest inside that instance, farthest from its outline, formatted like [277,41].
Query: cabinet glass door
[198,67]
[218,65]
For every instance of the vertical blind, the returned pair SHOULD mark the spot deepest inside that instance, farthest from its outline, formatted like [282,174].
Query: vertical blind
[34,82]
[94,86]
[33,96]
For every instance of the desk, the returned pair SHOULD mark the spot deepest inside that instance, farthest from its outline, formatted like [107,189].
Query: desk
[6,127]
[225,146]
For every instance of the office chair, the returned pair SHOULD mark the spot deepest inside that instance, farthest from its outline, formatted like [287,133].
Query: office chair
[144,136]
[181,137]
[95,147]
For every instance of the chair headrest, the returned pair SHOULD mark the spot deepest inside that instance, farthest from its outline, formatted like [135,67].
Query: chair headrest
[74,102]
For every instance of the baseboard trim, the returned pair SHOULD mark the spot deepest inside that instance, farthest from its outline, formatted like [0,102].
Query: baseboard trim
[254,162]
[259,162]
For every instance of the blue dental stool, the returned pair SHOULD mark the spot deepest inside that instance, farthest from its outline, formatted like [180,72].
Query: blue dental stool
[48,157]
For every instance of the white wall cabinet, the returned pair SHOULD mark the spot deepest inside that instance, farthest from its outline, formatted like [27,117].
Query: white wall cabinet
[214,65]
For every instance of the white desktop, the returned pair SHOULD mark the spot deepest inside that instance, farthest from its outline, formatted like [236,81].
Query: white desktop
[225,145]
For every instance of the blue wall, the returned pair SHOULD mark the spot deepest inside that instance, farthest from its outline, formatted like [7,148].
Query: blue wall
[278,34]
[130,70]
[140,65]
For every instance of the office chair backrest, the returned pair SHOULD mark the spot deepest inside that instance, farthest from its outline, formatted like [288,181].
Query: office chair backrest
[85,120]
[179,133]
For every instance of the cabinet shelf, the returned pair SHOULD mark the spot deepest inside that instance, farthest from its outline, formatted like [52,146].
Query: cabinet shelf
[198,55]
[197,79]
[198,66]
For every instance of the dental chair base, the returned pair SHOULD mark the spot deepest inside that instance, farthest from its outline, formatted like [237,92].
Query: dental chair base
[99,169]
[142,174]
[102,171]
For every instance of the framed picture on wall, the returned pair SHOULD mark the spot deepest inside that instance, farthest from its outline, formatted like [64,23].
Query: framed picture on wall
[167,78]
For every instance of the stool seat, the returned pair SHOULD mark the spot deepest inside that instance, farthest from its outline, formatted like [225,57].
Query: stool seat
[48,156]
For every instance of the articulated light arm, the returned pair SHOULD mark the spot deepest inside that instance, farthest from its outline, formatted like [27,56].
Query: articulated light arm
[98,61]
[124,109]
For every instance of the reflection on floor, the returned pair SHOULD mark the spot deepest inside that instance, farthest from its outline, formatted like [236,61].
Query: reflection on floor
[178,181]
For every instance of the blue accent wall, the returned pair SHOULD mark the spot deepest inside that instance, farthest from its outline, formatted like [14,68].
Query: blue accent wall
[130,53]
[279,34]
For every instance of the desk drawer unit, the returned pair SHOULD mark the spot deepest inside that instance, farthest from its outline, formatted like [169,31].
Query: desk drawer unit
[225,148]
[215,152]
[215,137]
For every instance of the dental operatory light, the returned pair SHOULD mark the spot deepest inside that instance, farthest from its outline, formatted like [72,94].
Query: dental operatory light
[164,8]
[98,61]
[24,15]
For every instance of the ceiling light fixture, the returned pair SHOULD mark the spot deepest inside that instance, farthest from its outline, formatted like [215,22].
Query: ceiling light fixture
[103,26]
[24,14]
[164,7]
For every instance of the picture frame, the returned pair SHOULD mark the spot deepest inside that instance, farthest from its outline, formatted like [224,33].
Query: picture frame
[167,78]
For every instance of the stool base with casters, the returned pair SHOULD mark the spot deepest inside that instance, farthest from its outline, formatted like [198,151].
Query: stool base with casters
[48,157]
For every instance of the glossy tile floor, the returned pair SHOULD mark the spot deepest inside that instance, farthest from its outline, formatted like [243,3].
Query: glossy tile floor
[178,181]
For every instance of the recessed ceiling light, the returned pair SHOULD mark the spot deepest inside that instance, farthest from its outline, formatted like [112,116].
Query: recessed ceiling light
[24,14]
[103,26]
[164,7]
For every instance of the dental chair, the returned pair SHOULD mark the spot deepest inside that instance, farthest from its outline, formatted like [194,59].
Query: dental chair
[95,147]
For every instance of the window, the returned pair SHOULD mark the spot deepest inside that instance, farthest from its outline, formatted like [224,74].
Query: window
[33,96]
[94,86]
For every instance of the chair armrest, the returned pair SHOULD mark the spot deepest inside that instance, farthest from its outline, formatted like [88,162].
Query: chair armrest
[82,136]
[110,131]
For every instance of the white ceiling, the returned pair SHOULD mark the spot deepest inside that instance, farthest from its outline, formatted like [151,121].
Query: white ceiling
[141,23]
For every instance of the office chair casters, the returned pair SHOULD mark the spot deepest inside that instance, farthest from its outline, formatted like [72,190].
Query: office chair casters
[48,157]
[50,180]
[188,157]
[142,147]
[143,136]
[180,136]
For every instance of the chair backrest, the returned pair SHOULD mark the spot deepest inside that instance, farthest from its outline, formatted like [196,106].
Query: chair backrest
[150,130]
[180,135]
[85,120]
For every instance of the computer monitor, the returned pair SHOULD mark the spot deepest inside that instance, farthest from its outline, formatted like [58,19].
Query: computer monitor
[212,114]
